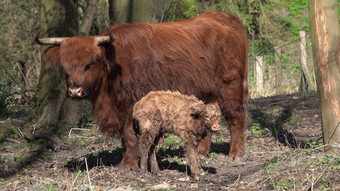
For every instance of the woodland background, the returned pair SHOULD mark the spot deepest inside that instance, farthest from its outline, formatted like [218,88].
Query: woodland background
[284,139]
[269,24]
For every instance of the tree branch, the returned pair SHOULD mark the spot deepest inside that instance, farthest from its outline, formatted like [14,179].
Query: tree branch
[88,18]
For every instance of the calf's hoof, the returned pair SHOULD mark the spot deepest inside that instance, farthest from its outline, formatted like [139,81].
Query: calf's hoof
[195,176]
[234,159]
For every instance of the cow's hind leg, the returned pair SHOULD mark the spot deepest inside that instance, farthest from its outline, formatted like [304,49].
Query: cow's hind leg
[236,117]
[235,109]
[236,128]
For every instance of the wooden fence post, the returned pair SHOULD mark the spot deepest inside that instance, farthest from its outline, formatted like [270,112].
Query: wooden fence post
[306,80]
[278,71]
[259,76]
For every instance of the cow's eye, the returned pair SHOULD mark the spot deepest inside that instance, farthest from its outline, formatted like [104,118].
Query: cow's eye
[87,67]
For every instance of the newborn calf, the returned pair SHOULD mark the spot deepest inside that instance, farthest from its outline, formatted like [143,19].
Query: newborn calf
[171,112]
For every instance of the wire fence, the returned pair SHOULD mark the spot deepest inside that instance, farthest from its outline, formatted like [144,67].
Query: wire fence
[280,71]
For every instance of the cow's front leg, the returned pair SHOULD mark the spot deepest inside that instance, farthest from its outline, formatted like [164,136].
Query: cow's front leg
[130,147]
[204,144]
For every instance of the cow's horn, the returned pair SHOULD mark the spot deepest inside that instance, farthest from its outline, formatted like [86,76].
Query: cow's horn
[48,41]
[106,39]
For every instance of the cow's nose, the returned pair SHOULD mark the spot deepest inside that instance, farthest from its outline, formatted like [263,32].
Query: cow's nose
[75,91]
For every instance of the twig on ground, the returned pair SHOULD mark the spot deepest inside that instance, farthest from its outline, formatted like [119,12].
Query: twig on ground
[75,180]
[12,140]
[323,171]
[254,181]
[237,181]
[271,179]
[80,129]
[87,172]
[22,135]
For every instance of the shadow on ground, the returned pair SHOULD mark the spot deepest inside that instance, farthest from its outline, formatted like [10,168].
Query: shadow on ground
[281,113]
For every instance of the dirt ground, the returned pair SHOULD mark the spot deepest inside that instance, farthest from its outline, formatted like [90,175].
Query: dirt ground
[284,151]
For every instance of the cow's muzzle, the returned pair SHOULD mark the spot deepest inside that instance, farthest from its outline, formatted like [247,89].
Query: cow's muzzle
[77,91]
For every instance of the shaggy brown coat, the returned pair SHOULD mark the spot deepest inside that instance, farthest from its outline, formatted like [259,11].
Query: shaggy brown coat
[166,112]
[205,56]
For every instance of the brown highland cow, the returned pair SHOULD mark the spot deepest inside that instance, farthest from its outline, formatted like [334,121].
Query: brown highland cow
[171,112]
[205,56]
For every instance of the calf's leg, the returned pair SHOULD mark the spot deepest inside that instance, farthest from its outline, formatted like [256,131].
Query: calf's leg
[192,155]
[145,142]
[153,159]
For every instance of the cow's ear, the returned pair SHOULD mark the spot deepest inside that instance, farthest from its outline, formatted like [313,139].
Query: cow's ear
[110,54]
[51,56]
[197,110]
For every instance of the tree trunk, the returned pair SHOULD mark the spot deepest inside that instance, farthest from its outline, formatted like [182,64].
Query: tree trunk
[120,11]
[58,18]
[144,11]
[306,82]
[325,42]
[87,21]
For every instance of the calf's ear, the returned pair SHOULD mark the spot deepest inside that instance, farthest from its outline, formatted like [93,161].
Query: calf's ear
[51,56]
[197,110]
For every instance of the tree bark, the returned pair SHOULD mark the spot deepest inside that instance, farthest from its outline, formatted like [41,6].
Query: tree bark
[58,18]
[87,21]
[120,11]
[306,82]
[144,11]
[325,42]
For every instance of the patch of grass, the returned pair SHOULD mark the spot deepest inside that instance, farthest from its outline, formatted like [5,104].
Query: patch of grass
[212,155]
[50,186]
[273,163]
[312,145]
[324,187]
[19,158]
[256,129]
[177,159]
[276,107]
[4,95]
[171,141]
[79,139]
[144,186]
[283,185]
[2,159]
[46,156]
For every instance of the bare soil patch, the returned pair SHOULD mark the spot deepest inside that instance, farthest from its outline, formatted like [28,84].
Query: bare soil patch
[283,152]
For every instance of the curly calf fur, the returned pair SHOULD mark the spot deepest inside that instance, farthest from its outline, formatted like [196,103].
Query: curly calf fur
[171,112]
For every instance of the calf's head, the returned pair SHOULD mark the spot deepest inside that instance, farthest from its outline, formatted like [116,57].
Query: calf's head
[210,114]
[82,58]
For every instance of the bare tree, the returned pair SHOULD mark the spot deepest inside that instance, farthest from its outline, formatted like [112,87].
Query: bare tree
[58,18]
[120,11]
[326,47]
[87,21]
[148,10]
[141,11]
